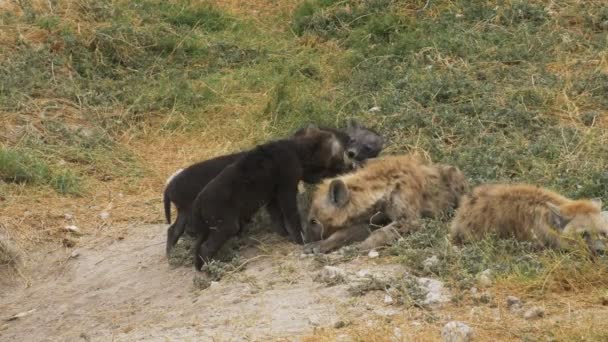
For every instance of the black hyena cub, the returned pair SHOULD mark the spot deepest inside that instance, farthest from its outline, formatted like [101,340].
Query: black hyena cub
[183,187]
[267,176]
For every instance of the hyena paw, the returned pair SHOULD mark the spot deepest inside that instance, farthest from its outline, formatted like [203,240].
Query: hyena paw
[312,247]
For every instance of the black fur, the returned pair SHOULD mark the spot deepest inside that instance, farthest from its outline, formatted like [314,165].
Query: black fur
[267,176]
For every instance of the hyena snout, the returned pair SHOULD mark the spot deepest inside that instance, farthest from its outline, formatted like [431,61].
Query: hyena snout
[351,153]
[313,231]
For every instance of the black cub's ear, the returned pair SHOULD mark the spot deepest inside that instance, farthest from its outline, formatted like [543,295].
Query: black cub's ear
[352,124]
[557,220]
[307,130]
[338,193]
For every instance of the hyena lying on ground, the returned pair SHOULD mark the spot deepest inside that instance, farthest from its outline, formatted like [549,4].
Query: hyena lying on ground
[529,213]
[392,189]
[267,176]
[183,186]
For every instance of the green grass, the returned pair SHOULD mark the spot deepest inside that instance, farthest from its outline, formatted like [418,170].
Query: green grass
[513,91]
[26,167]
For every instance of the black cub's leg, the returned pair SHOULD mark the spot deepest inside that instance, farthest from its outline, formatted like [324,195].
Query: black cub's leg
[205,249]
[276,218]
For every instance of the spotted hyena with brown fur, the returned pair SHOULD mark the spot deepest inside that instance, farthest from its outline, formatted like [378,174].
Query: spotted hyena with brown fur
[529,213]
[392,192]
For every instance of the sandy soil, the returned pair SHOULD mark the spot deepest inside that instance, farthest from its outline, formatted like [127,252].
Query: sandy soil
[124,290]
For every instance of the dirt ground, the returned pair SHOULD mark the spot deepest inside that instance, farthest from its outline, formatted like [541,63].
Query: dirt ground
[124,290]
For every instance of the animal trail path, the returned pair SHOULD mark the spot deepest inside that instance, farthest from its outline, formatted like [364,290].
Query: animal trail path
[125,291]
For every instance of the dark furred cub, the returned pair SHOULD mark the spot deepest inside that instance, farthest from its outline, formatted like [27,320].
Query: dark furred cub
[184,186]
[267,176]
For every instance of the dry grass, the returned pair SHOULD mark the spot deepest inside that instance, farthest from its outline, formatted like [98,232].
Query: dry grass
[258,99]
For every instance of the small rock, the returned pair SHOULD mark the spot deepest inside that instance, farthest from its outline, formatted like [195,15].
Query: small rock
[436,293]
[473,290]
[74,254]
[72,228]
[513,303]
[605,300]
[456,331]
[388,299]
[373,254]
[104,215]
[431,262]
[484,279]
[214,284]
[68,216]
[339,324]
[374,109]
[363,273]
[331,274]
[534,312]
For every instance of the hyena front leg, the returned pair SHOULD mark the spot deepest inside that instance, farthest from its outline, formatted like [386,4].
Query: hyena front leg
[339,239]
[388,234]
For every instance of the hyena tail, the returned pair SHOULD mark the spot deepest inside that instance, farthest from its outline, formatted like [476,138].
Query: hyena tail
[167,207]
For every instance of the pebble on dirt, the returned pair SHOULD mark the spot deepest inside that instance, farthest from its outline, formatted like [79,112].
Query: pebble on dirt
[534,312]
[72,228]
[513,303]
[456,331]
[373,254]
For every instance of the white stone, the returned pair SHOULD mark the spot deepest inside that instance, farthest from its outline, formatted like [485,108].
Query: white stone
[456,331]
[388,299]
[373,254]
[363,273]
[534,312]
[374,109]
[436,292]
[104,215]
[72,228]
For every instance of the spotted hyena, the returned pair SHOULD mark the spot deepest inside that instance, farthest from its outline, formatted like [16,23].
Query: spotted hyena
[391,191]
[529,213]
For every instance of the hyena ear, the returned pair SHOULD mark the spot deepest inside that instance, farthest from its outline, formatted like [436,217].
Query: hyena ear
[556,218]
[309,129]
[597,202]
[338,193]
[352,124]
